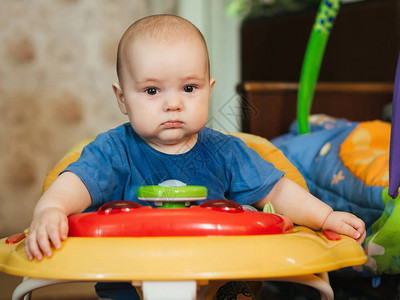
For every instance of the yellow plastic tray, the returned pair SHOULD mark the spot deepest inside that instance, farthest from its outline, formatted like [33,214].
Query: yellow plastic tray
[187,258]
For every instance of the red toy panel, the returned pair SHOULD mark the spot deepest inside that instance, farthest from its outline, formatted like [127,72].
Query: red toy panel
[217,217]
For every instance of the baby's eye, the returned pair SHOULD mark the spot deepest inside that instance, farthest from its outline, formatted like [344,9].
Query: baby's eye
[151,91]
[189,89]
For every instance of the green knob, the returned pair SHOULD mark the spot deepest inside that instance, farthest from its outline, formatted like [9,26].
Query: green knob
[172,193]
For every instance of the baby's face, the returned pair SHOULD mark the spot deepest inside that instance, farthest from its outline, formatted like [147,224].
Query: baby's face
[166,91]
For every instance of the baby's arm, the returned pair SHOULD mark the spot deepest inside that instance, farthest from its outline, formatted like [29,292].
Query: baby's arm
[303,208]
[67,195]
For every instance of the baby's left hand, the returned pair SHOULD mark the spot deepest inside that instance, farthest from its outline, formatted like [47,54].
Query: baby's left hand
[346,223]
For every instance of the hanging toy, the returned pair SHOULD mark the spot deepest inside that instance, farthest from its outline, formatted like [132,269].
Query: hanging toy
[312,61]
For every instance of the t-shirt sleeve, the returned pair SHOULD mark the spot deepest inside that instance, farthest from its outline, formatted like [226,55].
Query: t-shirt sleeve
[100,169]
[251,177]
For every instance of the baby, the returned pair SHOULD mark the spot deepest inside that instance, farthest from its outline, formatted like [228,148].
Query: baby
[164,88]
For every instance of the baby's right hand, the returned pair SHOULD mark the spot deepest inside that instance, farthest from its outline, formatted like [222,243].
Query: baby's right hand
[49,226]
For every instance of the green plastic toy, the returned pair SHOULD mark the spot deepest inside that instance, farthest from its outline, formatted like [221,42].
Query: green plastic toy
[312,61]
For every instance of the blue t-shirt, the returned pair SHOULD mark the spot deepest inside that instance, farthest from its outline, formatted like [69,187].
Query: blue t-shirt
[119,161]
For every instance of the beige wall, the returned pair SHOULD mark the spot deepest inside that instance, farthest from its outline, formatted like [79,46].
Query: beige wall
[57,63]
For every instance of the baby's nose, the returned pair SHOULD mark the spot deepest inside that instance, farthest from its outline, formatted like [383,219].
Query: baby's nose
[173,102]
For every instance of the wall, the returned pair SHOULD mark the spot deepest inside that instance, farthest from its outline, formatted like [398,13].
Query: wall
[363,46]
[222,35]
[57,66]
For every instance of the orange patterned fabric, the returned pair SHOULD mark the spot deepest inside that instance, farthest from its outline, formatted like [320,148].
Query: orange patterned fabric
[365,153]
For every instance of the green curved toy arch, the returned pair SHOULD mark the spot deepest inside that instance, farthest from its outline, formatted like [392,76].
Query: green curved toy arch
[323,24]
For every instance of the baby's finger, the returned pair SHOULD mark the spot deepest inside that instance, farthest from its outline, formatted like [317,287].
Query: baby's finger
[361,239]
[357,223]
[32,247]
[28,250]
[54,237]
[349,230]
[64,230]
[44,243]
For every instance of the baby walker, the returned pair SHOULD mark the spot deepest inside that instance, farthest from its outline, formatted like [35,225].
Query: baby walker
[170,250]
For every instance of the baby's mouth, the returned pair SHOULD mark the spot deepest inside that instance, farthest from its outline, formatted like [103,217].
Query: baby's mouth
[172,124]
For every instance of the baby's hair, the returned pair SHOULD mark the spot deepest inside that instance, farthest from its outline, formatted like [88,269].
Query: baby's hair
[160,28]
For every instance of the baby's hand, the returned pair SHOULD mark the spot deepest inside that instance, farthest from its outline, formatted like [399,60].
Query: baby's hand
[346,223]
[48,226]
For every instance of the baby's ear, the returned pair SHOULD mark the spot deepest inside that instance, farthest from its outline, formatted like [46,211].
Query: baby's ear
[120,97]
[212,83]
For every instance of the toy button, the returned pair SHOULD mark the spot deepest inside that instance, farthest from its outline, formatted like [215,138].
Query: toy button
[114,207]
[15,238]
[222,205]
[331,235]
